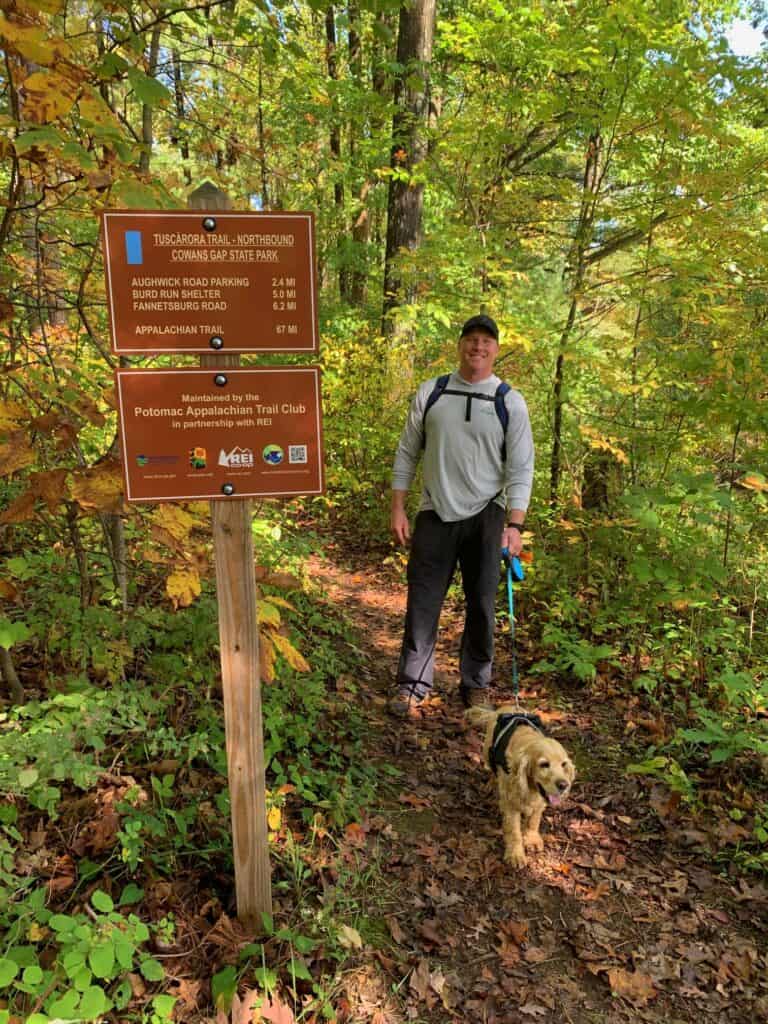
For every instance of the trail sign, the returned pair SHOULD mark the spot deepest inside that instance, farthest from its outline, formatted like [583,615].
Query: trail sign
[210,281]
[220,433]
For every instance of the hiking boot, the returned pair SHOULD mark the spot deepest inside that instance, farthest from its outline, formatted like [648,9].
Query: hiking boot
[475,697]
[406,700]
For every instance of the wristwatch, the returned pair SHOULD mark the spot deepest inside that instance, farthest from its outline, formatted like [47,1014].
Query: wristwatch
[515,526]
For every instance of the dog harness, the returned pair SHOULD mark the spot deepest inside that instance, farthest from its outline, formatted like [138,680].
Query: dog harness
[505,726]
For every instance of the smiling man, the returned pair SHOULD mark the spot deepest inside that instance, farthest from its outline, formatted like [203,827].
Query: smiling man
[475,436]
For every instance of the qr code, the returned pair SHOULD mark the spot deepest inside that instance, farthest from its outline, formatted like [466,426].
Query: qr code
[297,453]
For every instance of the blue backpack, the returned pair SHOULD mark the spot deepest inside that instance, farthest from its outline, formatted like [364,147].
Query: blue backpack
[441,388]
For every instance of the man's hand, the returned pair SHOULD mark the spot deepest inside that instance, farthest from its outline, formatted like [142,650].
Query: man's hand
[398,519]
[400,526]
[512,540]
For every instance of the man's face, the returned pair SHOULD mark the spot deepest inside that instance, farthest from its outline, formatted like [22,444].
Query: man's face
[477,353]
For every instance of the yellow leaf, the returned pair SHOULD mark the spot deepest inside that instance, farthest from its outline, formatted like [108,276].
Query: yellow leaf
[15,453]
[266,658]
[20,510]
[274,818]
[33,42]
[99,488]
[281,602]
[754,481]
[50,486]
[599,441]
[267,615]
[183,586]
[47,96]
[93,108]
[35,6]
[289,652]
[12,415]
[349,937]
[174,520]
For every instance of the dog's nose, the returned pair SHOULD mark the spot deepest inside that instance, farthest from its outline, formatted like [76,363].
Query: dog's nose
[562,785]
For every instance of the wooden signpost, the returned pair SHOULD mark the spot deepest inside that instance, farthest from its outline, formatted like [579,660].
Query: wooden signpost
[259,427]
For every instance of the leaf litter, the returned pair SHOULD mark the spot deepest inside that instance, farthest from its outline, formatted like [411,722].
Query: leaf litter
[621,918]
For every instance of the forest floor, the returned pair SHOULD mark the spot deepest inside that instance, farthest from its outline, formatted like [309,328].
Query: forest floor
[631,913]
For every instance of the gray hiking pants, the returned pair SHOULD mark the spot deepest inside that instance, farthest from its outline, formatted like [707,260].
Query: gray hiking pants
[436,548]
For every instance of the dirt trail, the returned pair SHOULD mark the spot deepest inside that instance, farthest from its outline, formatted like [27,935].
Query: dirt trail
[623,917]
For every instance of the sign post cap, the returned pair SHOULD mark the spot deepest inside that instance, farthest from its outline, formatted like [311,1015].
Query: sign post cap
[208,196]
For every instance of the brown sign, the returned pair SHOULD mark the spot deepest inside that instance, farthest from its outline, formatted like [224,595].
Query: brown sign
[229,433]
[210,282]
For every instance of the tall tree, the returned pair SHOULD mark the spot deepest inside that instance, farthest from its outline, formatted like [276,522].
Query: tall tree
[409,146]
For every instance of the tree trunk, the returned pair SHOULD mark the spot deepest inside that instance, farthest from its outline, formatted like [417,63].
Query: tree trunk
[8,674]
[262,140]
[581,241]
[180,138]
[335,147]
[409,147]
[147,137]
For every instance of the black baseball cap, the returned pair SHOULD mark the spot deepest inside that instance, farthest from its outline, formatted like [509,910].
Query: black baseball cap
[483,323]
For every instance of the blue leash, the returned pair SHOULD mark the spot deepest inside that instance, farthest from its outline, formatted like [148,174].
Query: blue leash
[514,573]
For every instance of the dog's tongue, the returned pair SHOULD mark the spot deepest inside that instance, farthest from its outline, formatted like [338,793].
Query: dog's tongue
[554,799]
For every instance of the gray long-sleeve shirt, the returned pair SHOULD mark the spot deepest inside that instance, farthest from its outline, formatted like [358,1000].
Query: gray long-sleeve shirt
[463,468]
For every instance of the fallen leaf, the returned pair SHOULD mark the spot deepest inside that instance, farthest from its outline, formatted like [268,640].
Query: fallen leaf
[64,876]
[616,863]
[419,979]
[516,930]
[429,930]
[635,987]
[188,991]
[395,930]
[413,800]
[349,937]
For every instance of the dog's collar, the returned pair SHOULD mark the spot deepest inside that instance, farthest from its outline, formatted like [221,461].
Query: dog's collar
[505,726]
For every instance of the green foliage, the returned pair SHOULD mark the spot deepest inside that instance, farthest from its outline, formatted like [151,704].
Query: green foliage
[571,655]
[77,965]
[66,739]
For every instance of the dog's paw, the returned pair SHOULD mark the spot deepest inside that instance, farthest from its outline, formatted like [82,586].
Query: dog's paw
[516,857]
[533,841]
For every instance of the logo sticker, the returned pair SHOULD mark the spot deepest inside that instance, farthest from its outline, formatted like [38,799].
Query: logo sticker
[197,458]
[238,458]
[156,460]
[273,454]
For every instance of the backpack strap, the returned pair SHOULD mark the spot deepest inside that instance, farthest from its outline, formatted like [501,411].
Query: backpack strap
[503,413]
[440,385]
[441,388]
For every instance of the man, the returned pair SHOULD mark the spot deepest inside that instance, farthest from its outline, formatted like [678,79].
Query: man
[477,483]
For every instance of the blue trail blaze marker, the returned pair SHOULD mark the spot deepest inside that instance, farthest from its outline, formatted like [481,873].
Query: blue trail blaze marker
[133,247]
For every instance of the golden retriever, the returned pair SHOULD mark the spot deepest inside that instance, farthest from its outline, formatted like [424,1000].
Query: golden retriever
[538,772]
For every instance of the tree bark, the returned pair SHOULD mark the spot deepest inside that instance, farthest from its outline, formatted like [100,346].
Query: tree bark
[409,147]
[335,146]
[147,137]
[581,241]
[180,138]
[12,681]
